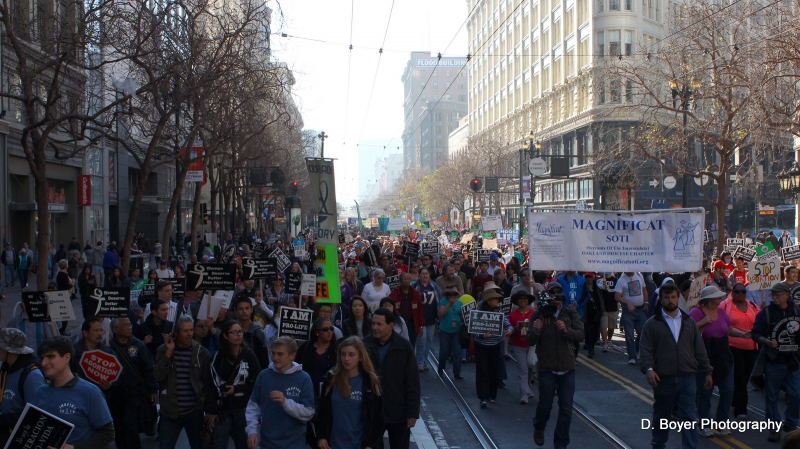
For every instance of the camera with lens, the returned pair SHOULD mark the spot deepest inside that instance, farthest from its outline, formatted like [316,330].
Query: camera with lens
[547,306]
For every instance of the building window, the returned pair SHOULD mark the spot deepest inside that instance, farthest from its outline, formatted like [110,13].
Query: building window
[628,43]
[525,10]
[526,43]
[614,91]
[613,5]
[629,91]
[518,51]
[545,25]
[629,5]
[526,76]
[613,43]
[599,5]
[557,52]
[435,73]
[422,73]
[446,84]
[435,84]
[568,5]
[545,61]
[601,93]
[601,48]
[570,43]
[556,13]
[536,69]
[423,97]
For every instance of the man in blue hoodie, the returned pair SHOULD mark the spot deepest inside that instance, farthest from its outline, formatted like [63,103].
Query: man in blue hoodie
[282,400]
[575,290]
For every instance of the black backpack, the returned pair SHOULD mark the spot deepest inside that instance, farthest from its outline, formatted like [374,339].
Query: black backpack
[24,376]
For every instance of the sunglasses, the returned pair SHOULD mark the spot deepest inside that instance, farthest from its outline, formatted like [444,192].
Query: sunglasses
[557,290]
[449,295]
[740,292]
[325,329]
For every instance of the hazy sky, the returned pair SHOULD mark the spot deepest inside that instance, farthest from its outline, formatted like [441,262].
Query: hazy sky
[372,107]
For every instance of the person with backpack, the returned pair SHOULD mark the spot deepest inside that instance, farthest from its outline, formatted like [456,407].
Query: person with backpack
[20,377]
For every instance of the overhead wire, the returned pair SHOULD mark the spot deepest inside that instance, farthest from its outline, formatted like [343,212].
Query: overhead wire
[349,61]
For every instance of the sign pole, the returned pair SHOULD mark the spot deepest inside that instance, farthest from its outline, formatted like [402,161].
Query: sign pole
[53,326]
[763,294]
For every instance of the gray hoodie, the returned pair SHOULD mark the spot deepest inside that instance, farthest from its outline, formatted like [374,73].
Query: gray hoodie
[98,254]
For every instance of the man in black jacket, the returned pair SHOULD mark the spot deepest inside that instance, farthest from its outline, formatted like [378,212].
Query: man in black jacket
[135,392]
[393,358]
[671,354]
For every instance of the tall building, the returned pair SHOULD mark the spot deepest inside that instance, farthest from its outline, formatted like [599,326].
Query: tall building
[426,80]
[437,121]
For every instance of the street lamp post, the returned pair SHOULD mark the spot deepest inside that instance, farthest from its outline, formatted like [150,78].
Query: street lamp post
[683,93]
[790,186]
[523,151]
[322,136]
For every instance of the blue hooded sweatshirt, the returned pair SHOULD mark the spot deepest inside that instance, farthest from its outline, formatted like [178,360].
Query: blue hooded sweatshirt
[575,291]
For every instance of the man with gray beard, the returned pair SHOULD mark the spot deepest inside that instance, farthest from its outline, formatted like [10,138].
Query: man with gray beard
[449,278]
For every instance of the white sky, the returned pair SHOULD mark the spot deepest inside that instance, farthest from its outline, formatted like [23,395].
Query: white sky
[321,69]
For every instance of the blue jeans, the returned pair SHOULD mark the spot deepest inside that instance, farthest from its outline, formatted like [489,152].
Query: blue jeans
[725,397]
[523,378]
[170,429]
[424,343]
[671,390]
[549,384]
[23,278]
[449,344]
[232,426]
[775,376]
[502,374]
[9,275]
[633,321]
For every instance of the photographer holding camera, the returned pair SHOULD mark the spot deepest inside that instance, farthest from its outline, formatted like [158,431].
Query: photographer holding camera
[556,331]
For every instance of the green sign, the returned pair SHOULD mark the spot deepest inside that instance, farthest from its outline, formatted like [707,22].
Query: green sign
[487,235]
[764,248]
[474,228]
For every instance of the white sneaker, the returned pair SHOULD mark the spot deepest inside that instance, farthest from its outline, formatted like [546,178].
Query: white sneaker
[705,432]
[605,348]
[631,361]
[724,432]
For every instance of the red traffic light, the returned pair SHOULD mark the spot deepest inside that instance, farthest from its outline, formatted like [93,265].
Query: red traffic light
[295,184]
[476,185]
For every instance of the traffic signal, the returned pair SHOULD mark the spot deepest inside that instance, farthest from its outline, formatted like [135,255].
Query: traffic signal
[295,184]
[476,185]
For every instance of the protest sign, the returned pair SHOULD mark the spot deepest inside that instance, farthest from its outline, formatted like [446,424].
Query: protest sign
[259,268]
[505,305]
[295,323]
[323,187]
[109,302]
[209,307]
[210,276]
[59,306]
[489,243]
[466,238]
[507,236]
[300,248]
[766,251]
[371,256]
[410,249]
[465,311]
[791,253]
[745,253]
[294,283]
[282,259]
[36,428]
[258,246]
[178,287]
[328,290]
[597,240]
[228,253]
[735,242]
[136,289]
[492,222]
[393,281]
[481,322]
[309,285]
[483,255]
[430,248]
[36,306]
[99,366]
[226,296]
[443,240]
[148,293]
[694,291]
[763,273]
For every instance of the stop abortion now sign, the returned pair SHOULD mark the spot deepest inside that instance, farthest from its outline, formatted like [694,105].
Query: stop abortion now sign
[100,366]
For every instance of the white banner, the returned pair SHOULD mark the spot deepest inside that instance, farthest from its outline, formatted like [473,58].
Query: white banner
[616,241]
[492,222]
[397,223]
[764,272]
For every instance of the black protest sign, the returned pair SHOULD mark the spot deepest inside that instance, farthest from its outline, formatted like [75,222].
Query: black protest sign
[393,281]
[109,302]
[484,255]
[430,248]
[293,283]
[786,333]
[228,253]
[148,293]
[746,254]
[283,261]
[791,253]
[211,276]
[794,295]
[295,323]
[341,238]
[36,307]
[258,246]
[371,256]
[505,305]
[36,428]
[259,268]
[410,249]
[466,309]
[481,322]
[178,287]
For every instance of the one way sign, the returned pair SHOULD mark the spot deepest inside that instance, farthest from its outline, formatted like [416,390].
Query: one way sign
[654,183]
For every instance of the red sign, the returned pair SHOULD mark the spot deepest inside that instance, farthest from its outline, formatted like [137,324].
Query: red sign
[100,366]
[196,164]
[84,190]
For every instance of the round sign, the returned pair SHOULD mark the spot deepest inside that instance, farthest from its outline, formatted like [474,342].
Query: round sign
[701,180]
[795,294]
[670,182]
[445,218]
[537,166]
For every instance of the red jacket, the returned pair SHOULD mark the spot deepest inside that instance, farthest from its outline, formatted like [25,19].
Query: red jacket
[406,308]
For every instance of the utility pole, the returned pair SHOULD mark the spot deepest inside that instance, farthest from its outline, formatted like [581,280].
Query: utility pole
[322,136]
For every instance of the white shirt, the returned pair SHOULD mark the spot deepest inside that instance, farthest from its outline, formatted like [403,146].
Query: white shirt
[373,297]
[165,274]
[673,323]
[173,311]
[631,288]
